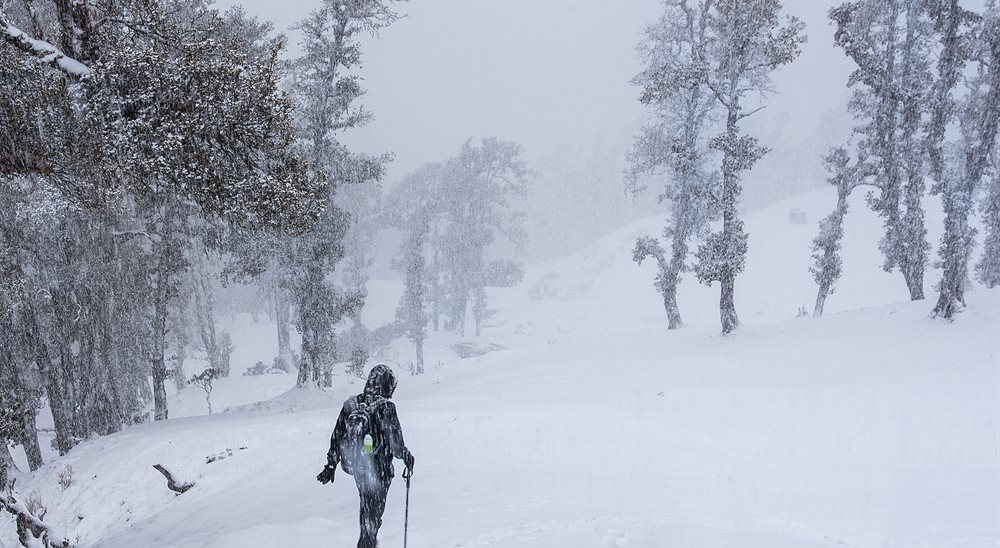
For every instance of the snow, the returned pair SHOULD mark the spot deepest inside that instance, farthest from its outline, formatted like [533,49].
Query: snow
[47,52]
[590,425]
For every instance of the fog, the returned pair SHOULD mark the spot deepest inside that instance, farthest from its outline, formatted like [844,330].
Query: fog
[540,73]
[732,321]
[556,76]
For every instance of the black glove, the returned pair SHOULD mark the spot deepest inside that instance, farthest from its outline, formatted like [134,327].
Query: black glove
[408,461]
[326,476]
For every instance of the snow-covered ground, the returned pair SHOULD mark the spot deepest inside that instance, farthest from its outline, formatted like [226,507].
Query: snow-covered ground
[590,425]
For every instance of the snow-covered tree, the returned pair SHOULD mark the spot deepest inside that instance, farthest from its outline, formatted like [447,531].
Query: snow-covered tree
[411,313]
[412,207]
[464,206]
[216,344]
[364,202]
[988,267]
[76,309]
[827,263]
[673,146]
[327,93]
[148,124]
[746,42]
[957,187]
[980,129]
[889,41]
[477,196]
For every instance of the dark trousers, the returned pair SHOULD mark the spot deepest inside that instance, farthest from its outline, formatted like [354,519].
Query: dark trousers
[373,492]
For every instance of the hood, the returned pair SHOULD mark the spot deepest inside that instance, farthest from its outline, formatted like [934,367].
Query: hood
[381,382]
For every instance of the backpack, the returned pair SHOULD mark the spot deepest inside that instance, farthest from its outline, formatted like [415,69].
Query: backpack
[357,456]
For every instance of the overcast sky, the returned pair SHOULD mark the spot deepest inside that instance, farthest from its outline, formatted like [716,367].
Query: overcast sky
[541,72]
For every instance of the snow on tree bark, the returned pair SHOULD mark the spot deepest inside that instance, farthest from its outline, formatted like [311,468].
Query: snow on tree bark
[41,49]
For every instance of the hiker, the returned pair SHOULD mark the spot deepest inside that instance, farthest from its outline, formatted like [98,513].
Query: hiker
[364,441]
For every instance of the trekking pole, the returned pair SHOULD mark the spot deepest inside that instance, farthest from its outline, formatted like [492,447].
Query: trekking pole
[407,474]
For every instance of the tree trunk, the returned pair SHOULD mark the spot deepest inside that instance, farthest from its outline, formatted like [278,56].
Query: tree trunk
[727,307]
[177,371]
[159,366]
[956,250]
[436,302]
[30,442]
[76,26]
[419,343]
[914,233]
[479,309]
[436,286]
[327,376]
[6,464]
[913,274]
[456,321]
[53,383]
[730,192]
[821,295]
[29,433]
[302,381]
[670,305]
[282,315]
[61,416]
[672,278]
[316,372]
[308,361]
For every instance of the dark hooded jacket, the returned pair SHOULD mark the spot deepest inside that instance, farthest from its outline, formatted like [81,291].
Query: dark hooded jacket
[386,432]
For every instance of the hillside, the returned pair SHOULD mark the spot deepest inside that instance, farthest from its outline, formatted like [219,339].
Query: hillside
[592,426]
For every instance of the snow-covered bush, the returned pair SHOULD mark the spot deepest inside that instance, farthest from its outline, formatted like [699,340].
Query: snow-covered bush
[66,477]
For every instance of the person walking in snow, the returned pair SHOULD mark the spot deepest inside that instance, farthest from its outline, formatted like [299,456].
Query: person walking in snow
[364,441]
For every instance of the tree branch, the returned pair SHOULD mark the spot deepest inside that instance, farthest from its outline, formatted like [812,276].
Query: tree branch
[44,51]
[29,521]
[752,112]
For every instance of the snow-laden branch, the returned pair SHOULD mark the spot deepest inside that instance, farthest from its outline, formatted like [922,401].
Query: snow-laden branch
[46,52]
[29,521]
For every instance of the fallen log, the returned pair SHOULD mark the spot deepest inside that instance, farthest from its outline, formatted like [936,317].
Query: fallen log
[172,484]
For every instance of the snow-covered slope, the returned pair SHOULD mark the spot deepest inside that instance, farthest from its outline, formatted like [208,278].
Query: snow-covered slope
[601,290]
[595,427]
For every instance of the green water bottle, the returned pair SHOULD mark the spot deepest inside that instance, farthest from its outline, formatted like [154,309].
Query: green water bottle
[369,444]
